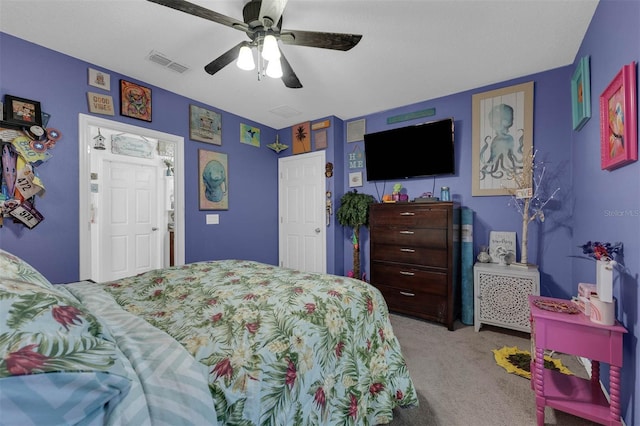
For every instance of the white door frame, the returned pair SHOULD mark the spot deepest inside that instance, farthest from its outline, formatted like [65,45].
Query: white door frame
[320,157]
[85,146]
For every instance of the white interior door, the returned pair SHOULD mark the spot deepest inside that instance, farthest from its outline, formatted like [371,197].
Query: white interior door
[129,228]
[92,184]
[302,203]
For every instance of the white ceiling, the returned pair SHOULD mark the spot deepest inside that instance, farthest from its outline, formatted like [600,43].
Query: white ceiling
[411,51]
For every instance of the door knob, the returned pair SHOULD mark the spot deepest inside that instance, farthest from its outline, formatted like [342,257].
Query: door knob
[154,229]
[317,230]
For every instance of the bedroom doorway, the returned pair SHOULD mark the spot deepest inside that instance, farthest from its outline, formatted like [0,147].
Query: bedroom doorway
[302,216]
[131,210]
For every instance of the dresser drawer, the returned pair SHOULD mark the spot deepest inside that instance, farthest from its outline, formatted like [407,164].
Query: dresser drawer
[411,237]
[417,304]
[425,256]
[409,279]
[409,215]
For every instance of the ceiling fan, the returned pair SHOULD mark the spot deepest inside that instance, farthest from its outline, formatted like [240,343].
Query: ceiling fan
[262,18]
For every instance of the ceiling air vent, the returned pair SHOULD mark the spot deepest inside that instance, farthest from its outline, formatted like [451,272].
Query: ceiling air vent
[285,111]
[161,59]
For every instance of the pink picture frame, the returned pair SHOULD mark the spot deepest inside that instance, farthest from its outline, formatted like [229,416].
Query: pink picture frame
[618,120]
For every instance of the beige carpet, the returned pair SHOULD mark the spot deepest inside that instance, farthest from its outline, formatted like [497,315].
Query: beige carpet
[459,382]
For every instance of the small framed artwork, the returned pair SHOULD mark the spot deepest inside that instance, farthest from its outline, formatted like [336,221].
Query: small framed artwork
[20,111]
[321,125]
[502,246]
[618,120]
[99,79]
[356,130]
[355,179]
[205,125]
[320,139]
[249,135]
[135,101]
[301,138]
[100,104]
[581,94]
[213,180]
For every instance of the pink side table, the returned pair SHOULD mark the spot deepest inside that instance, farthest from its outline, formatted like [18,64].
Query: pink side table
[575,334]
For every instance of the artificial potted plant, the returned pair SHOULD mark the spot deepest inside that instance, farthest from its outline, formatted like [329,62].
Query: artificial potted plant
[354,213]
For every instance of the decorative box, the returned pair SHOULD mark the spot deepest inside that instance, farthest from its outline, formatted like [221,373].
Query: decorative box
[586,290]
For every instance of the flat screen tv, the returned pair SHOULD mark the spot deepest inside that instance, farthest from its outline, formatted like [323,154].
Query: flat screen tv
[420,150]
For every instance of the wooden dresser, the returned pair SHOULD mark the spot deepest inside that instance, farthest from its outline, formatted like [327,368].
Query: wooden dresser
[415,258]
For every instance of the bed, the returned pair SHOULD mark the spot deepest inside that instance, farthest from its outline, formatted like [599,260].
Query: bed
[210,343]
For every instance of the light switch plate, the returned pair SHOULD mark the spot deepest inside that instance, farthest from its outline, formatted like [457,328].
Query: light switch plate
[213,219]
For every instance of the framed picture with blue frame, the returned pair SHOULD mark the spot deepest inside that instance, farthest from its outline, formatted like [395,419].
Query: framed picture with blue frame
[581,94]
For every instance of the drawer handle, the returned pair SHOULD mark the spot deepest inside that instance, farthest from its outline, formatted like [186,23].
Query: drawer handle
[407,232]
[410,274]
[404,293]
[407,250]
[407,214]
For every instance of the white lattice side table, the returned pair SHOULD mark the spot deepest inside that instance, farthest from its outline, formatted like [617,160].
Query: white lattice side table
[501,295]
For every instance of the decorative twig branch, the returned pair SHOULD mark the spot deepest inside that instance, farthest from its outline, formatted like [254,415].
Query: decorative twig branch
[527,197]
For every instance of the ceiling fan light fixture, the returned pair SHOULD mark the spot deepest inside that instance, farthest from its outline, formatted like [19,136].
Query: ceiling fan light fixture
[245,59]
[270,49]
[274,68]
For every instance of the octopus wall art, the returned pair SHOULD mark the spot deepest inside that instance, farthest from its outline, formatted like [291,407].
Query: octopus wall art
[502,128]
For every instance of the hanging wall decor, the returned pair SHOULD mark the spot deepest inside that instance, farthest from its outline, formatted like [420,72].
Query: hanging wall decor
[135,101]
[356,158]
[581,94]
[618,122]
[320,139]
[502,132]
[205,125]
[22,112]
[321,125]
[277,146]
[249,135]
[301,137]
[22,151]
[100,104]
[213,180]
[99,79]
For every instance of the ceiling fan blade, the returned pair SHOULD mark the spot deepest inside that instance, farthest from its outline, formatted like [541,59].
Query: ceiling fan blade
[195,10]
[224,59]
[289,77]
[336,41]
[272,9]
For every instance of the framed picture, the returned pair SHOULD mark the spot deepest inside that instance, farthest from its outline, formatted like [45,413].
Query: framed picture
[20,111]
[205,125]
[618,120]
[100,104]
[249,135]
[301,137]
[99,79]
[320,139]
[135,101]
[502,133]
[355,179]
[502,244]
[581,94]
[213,180]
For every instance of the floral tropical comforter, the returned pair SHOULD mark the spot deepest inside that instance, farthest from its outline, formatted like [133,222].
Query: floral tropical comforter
[282,347]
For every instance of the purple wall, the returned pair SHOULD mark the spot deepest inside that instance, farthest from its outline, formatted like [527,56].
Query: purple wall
[550,242]
[592,204]
[249,229]
[607,203]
